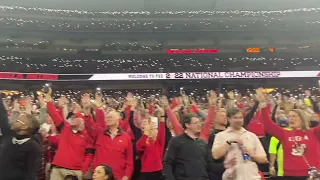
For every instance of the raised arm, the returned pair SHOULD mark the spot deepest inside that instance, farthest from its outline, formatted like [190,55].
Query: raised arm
[56,118]
[250,114]
[161,138]
[135,130]
[176,126]
[271,128]
[43,110]
[4,121]
[207,125]
[127,114]
[316,131]
[92,128]
[274,111]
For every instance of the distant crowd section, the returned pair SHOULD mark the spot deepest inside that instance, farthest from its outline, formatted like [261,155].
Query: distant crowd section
[117,21]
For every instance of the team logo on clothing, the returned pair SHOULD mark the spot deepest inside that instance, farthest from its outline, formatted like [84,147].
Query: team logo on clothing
[178,75]
[298,150]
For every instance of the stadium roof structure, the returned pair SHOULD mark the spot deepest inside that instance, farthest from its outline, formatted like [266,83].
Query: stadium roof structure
[166,5]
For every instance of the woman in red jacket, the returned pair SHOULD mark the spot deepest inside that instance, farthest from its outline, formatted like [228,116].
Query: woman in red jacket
[301,147]
[151,147]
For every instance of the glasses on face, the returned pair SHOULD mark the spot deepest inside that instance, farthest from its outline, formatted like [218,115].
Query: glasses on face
[21,122]
[196,122]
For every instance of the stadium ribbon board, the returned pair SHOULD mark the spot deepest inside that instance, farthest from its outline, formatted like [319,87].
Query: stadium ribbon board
[157,76]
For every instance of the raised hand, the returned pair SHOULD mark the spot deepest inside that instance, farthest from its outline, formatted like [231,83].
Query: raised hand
[279,99]
[16,105]
[212,98]
[28,104]
[159,109]
[98,102]
[164,102]
[62,101]
[86,101]
[129,96]
[42,102]
[231,95]
[48,95]
[260,95]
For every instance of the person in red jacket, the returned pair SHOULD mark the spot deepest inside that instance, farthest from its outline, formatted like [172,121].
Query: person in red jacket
[75,149]
[113,146]
[301,147]
[151,147]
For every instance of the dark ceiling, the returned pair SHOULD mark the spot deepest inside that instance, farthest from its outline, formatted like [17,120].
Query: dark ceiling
[165,5]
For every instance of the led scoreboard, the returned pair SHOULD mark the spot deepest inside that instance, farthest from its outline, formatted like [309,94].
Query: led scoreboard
[258,50]
[222,50]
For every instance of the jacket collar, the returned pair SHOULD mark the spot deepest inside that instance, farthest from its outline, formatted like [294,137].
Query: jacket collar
[108,132]
[229,130]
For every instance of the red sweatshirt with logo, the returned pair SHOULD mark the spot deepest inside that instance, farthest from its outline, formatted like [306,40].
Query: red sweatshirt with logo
[115,152]
[152,150]
[294,165]
[75,149]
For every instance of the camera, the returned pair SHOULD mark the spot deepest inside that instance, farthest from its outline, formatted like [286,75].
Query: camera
[98,91]
[46,87]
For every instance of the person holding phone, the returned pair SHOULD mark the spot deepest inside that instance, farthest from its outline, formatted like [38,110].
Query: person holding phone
[75,150]
[151,146]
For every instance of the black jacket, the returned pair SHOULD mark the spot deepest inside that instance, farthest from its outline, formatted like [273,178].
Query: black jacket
[18,161]
[186,158]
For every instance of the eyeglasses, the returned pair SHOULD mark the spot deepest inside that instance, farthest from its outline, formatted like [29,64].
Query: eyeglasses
[21,122]
[197,122]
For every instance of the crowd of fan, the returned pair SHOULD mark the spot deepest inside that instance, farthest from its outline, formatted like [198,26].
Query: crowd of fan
[155,14]
[156,63]
[115,97]
[137,21]
[47,45]
[128,140]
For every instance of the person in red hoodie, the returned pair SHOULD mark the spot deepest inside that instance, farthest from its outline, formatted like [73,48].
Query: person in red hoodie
[113,146]
[301,147]
[151,147]
[75,149]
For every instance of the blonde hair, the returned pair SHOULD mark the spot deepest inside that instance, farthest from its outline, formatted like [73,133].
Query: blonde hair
[305,120]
